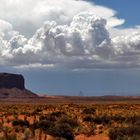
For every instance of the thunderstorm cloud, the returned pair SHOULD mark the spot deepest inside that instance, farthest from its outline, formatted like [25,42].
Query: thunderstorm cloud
[65,34]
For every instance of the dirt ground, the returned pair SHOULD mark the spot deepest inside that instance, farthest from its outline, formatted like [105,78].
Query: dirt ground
[96,137]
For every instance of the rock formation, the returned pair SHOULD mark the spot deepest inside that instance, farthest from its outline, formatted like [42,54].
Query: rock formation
[11,81]
[13,86]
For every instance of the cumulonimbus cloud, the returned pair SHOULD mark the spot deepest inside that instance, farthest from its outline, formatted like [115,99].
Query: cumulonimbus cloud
[83,40]
[28,15]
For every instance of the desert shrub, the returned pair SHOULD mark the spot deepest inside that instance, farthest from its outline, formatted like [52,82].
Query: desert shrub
[67,120]
[8,138]
[97,119]
[26,134]
[130,131]
[20,123]
[114,134]
[15,123]
[59,127]
[34,125]
[57,114]
[118,118]
[38,110]
[135,137]
[88,119]
[89,111]
[105,119]
[123,138]
[45,125]
[48,117]
[133,119]
[62,130]
[17,129]
[11,137]
[24,113]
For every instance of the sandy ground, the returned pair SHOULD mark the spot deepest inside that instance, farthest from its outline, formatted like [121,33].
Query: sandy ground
[96,137]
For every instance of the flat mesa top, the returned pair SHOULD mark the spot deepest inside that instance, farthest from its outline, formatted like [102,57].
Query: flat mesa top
[6,74]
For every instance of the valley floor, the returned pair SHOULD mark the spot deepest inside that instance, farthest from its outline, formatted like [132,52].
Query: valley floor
[69,118]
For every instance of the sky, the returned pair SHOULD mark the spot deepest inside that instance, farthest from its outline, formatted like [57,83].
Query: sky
[67,46]
[128,10]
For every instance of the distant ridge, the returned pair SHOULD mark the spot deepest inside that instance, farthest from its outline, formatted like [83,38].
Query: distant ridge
[93,98]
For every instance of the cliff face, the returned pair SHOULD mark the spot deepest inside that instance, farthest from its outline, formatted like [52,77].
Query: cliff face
[13,86]
[9,81]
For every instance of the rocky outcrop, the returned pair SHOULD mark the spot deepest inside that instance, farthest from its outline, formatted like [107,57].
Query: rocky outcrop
[13,86]
[9,81]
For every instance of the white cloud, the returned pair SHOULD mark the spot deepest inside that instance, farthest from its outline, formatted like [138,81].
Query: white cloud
[83,38]
[28,15]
